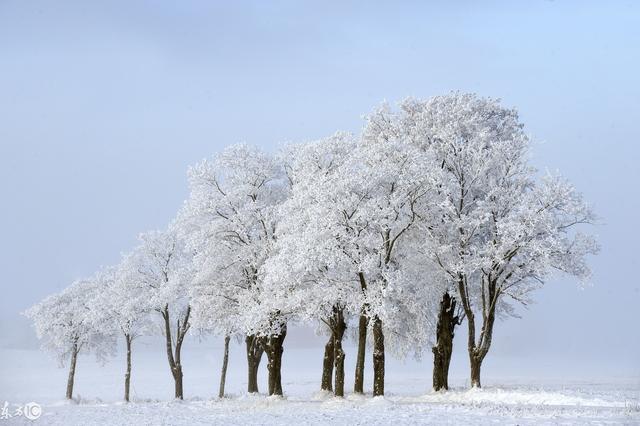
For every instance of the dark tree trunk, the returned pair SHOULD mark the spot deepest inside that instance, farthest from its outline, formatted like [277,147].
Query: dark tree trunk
[447,321]
[476,364]
[478,350]
[225,362]
[274,347]
[339,326]
[378,357]
[174,358]
[327,366]
[254,356]
[363,323]
[179,392]
[127,375]
[72,370]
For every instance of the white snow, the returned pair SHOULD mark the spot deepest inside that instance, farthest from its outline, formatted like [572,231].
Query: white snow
[28,375]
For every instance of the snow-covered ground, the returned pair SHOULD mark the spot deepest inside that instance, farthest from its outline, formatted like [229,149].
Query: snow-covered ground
[29,375]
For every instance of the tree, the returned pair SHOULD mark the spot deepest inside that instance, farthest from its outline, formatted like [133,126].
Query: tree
[66,325]
[496,231]
[359,206]
[307,273]
[122,300]
[412,126]
[232,210]
[530,233]
[164,268]
[395,179]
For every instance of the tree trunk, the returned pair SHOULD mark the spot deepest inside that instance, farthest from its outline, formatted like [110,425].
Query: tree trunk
[338,353]
[174,359]
[225,362]
[327,366]
[447,321]
[179,393]
[72,370]
[127,375]
[378,357]
[274,349]
[477,351]
[254,356]
[476,363]
[363,323]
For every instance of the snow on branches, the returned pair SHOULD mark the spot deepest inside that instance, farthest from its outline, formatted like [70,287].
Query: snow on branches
[433,202]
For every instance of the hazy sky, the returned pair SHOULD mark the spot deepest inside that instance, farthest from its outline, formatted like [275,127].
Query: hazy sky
[103,105]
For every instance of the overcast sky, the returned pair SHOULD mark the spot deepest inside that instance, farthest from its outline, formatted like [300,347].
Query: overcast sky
[103,105]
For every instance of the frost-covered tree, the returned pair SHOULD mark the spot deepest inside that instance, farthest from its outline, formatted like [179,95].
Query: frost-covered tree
[354,210]
[407,124]
[307,274]
[123,302]
[232,214]
[67,324]
[162,267]
[532,231]
[394,178]
[496,231]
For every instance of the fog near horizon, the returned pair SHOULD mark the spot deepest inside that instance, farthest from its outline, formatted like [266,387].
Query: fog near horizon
[104,106]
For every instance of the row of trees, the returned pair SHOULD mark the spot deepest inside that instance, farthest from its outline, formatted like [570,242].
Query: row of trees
[430,218]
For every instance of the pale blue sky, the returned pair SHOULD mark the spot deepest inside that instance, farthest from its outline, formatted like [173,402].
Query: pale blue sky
[103,105]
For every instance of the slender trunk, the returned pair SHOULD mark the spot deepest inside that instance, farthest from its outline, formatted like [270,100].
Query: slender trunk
[274,349]
[169,347]
[363,323]
[174,358]
[181,331]
[477,351]
[254,355]
[338,353]
[225,362]
[127,375]
[72,370]
[447,321]
[327,366]
[378,357]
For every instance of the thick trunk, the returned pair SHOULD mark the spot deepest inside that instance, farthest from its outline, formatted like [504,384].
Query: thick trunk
[254,356]
[358,384]
[127,375]
[476,364]
[225,362]
[179,393]
[274,349]
[327,366]
[378,357]
[338,353]
[252,383]
[72,370]
[363,323]
[447,320]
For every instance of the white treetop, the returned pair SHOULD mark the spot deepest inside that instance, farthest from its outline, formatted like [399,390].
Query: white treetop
[67,322]
[124,298]
[232,217]
[308,268]
[162,268]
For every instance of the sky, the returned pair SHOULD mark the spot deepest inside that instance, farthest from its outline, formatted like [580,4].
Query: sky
[104,105]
